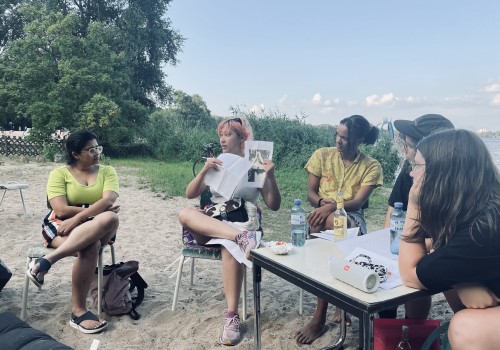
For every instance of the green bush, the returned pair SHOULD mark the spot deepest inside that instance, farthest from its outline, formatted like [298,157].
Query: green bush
[172,138]
[386,153]
[294,140]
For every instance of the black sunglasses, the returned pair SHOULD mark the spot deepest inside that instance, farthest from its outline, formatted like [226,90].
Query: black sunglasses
[238,120]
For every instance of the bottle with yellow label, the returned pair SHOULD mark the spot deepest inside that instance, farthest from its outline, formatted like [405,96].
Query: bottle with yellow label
[339,219]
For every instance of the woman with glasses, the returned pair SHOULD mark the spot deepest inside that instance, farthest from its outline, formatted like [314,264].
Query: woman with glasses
[356,175]
[232,136]
[455,201]
[411,132]
[83,217]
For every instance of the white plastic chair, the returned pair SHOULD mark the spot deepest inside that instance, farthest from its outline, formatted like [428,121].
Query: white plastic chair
[40,250]
[13,185]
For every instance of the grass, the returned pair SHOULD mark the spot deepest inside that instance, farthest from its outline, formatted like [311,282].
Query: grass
[171,179]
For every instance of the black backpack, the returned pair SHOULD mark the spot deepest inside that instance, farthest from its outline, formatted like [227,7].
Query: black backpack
[119,282]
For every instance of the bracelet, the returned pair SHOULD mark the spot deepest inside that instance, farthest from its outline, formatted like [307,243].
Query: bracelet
[319,202]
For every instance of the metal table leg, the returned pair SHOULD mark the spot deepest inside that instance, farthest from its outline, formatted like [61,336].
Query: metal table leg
[257,277]
[343,332]
[367,324]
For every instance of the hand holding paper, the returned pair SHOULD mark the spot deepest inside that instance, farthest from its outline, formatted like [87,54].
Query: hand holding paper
[230,173]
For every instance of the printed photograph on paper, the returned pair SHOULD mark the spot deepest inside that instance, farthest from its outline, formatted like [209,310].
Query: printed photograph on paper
[257,152]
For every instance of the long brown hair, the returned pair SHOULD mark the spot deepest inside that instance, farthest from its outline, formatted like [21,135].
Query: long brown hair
[461,186]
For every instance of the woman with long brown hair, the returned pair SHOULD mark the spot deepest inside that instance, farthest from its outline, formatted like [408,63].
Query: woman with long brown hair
[455,201]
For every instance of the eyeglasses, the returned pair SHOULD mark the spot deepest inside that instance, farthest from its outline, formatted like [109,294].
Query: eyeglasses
[94,150]
[415,166]
[407,145]
[402,142]
[366,261]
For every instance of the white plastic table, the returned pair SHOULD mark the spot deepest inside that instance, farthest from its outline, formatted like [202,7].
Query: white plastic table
[307,267]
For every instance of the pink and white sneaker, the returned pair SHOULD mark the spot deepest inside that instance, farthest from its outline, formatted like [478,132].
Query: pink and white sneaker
[231,333]
[248,240]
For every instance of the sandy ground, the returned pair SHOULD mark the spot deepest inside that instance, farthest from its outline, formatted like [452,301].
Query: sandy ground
[149,233]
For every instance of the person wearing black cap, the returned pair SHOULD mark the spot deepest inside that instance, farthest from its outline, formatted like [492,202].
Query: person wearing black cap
[411,132]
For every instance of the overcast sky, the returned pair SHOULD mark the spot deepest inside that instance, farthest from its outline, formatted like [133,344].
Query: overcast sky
[330,59]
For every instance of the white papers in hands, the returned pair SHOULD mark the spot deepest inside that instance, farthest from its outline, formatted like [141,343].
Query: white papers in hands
[256,152]
[393,276]
[230,173]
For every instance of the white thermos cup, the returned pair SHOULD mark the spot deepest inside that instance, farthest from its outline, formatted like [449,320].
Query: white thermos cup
[355,275]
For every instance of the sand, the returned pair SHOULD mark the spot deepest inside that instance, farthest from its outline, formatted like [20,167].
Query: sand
[149,233]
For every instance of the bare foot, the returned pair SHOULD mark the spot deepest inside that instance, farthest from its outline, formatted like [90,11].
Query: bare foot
[336,317]
[310,332]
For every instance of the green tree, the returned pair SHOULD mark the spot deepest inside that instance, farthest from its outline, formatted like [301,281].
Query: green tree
[11,24]
[178,131]
[72,56]
[191,110]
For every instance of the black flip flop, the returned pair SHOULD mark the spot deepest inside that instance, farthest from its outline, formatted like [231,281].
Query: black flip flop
[87,316]
[45,266]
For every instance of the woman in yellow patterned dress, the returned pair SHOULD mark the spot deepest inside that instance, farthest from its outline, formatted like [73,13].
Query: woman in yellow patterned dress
[343,168]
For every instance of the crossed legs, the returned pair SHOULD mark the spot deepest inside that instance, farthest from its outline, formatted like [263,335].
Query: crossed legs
[84,242]
[205,227]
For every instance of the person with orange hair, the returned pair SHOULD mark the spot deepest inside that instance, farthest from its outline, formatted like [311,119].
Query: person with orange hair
[232,135]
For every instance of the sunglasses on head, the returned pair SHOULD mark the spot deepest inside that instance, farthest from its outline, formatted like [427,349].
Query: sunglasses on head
[238,120]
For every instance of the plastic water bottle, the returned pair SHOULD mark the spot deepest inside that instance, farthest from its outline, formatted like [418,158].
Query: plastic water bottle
[298,221]
[397,223]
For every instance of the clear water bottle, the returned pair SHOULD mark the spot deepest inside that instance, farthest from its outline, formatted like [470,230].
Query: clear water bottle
[298,221]
[404,344]
[397,223]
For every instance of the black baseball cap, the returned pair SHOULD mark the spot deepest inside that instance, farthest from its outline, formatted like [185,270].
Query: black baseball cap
[423,126]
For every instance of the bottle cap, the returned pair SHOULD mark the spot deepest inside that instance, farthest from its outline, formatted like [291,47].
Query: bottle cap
[297,202]
[398,205]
